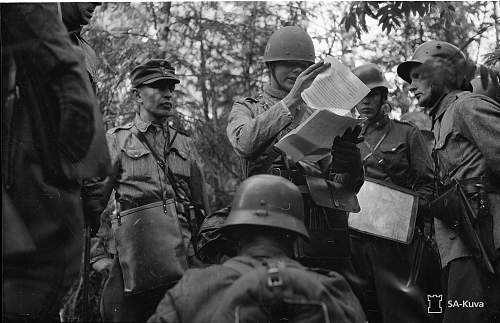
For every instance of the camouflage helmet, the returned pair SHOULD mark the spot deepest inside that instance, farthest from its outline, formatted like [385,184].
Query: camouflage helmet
[290,43]
[433,48]
[371,75]
[267,201]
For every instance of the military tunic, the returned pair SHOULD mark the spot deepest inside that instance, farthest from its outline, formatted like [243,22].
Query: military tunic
[400,158]
[196,296]
[395,152]
[467,146]
[141,181]
[254,126]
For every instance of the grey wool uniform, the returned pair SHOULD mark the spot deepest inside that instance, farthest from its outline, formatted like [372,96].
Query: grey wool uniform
[466,128]
[395,152]
[141,181]
[254,126]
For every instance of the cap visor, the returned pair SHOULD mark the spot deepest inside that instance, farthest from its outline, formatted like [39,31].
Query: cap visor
[156,79]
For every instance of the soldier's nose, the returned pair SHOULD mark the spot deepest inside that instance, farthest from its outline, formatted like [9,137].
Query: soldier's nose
[412,87]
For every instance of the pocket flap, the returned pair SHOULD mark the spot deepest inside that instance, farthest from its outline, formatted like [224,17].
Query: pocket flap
[392,147]
[135,153]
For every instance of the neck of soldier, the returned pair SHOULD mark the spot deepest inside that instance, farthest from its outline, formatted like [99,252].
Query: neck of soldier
[266,246]
[149,117]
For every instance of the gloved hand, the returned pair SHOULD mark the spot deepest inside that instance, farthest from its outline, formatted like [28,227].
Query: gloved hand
[346,155]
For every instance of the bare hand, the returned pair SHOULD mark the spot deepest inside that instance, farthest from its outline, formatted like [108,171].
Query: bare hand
[303,81]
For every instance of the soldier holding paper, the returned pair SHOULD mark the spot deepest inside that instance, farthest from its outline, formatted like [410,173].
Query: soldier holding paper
[256,124]
[393,152]
[467,158]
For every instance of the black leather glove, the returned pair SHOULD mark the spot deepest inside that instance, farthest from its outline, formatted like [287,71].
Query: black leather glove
[346,155]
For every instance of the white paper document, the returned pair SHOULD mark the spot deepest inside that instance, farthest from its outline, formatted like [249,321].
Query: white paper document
[337,89]
[333,93]
[385,212]
[312,140]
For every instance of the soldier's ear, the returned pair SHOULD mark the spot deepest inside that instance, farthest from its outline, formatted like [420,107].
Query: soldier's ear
[137,95]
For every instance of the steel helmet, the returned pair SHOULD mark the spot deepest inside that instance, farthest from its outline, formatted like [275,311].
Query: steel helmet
[371,75]
[268,201]
[433,48]
[289,43]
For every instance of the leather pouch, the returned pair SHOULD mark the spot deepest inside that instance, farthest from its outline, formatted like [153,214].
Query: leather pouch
[447,208]
[150,247]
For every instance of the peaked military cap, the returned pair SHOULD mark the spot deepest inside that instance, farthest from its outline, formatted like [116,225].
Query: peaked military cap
[152,71]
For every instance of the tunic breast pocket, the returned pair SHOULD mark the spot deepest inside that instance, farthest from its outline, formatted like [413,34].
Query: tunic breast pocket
[137,163]
[179,163]
[394,157]
[450,150]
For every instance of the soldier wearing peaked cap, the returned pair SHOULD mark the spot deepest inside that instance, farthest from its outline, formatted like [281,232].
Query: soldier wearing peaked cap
[466,155]
[159,190]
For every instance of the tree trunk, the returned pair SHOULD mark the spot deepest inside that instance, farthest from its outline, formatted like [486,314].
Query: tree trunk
[496,16]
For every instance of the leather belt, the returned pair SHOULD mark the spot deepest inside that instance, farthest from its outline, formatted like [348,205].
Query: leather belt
[124,206]
[290,174]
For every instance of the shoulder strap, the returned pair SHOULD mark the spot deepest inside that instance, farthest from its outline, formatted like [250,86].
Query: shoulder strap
[145,142]
[373,149]
[162,163]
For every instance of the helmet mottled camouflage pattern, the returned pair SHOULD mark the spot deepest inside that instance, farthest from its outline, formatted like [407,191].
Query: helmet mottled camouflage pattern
[268,201]
[289,43]
[433,48]
[371,75]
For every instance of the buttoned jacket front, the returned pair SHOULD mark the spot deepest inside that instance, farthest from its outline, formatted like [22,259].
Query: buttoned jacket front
[466,129]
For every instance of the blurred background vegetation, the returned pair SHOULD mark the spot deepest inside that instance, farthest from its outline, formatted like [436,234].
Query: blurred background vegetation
[216,48]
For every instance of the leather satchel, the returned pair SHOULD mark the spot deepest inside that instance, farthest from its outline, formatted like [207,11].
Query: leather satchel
[150,247]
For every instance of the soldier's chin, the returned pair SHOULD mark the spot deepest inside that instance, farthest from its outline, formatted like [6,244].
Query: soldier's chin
[164,113]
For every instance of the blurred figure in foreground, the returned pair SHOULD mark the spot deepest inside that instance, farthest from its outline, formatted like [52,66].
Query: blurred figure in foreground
[47,128]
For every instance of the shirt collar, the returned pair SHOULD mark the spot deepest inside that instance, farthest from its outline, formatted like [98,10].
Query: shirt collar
[275,93]
[141,124]
[439,108]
